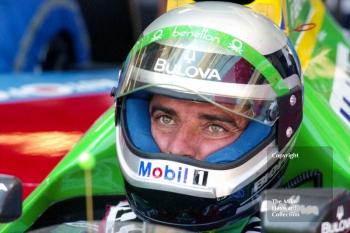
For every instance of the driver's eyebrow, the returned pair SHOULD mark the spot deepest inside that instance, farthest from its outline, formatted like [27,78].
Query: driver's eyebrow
[223,118]
[162,108]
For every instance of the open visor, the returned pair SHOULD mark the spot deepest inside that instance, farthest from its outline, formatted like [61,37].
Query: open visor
[204,71]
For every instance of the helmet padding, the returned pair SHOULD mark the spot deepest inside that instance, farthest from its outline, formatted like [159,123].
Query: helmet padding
[139,129]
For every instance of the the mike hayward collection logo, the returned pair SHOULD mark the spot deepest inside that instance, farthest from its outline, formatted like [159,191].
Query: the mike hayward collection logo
[288,207]
[173,173]
[342,225]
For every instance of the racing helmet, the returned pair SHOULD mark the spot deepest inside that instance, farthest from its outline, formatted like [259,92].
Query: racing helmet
[230,57]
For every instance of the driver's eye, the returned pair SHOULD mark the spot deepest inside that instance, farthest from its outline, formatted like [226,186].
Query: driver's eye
[166,120]
[216,129]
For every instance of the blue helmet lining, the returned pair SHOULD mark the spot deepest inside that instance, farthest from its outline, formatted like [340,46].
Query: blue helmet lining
[139,128]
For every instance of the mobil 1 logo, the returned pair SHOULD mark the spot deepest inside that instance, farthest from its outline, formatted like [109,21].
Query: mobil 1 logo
[172,173]
[200,177]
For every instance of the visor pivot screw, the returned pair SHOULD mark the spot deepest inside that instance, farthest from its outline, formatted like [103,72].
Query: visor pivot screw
[289,132]
[272,113]
[292,100]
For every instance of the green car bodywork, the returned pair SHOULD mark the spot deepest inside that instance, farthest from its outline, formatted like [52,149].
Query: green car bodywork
[324,137]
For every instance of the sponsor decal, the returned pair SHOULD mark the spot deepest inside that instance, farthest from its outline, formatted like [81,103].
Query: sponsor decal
[172,173]
[236,46]
[259,184]
[200,177]
[202,34]
[193,32]
[338,226]
[163,66]
[157,35]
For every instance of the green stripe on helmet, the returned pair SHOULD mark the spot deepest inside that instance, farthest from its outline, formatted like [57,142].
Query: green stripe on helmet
[237,46]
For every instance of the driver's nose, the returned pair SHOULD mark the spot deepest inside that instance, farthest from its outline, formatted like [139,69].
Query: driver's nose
[183,142]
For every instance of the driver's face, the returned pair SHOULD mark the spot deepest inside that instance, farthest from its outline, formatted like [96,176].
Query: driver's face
[192,129]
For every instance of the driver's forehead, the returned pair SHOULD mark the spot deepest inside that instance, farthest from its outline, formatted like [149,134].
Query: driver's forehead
[188,107]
